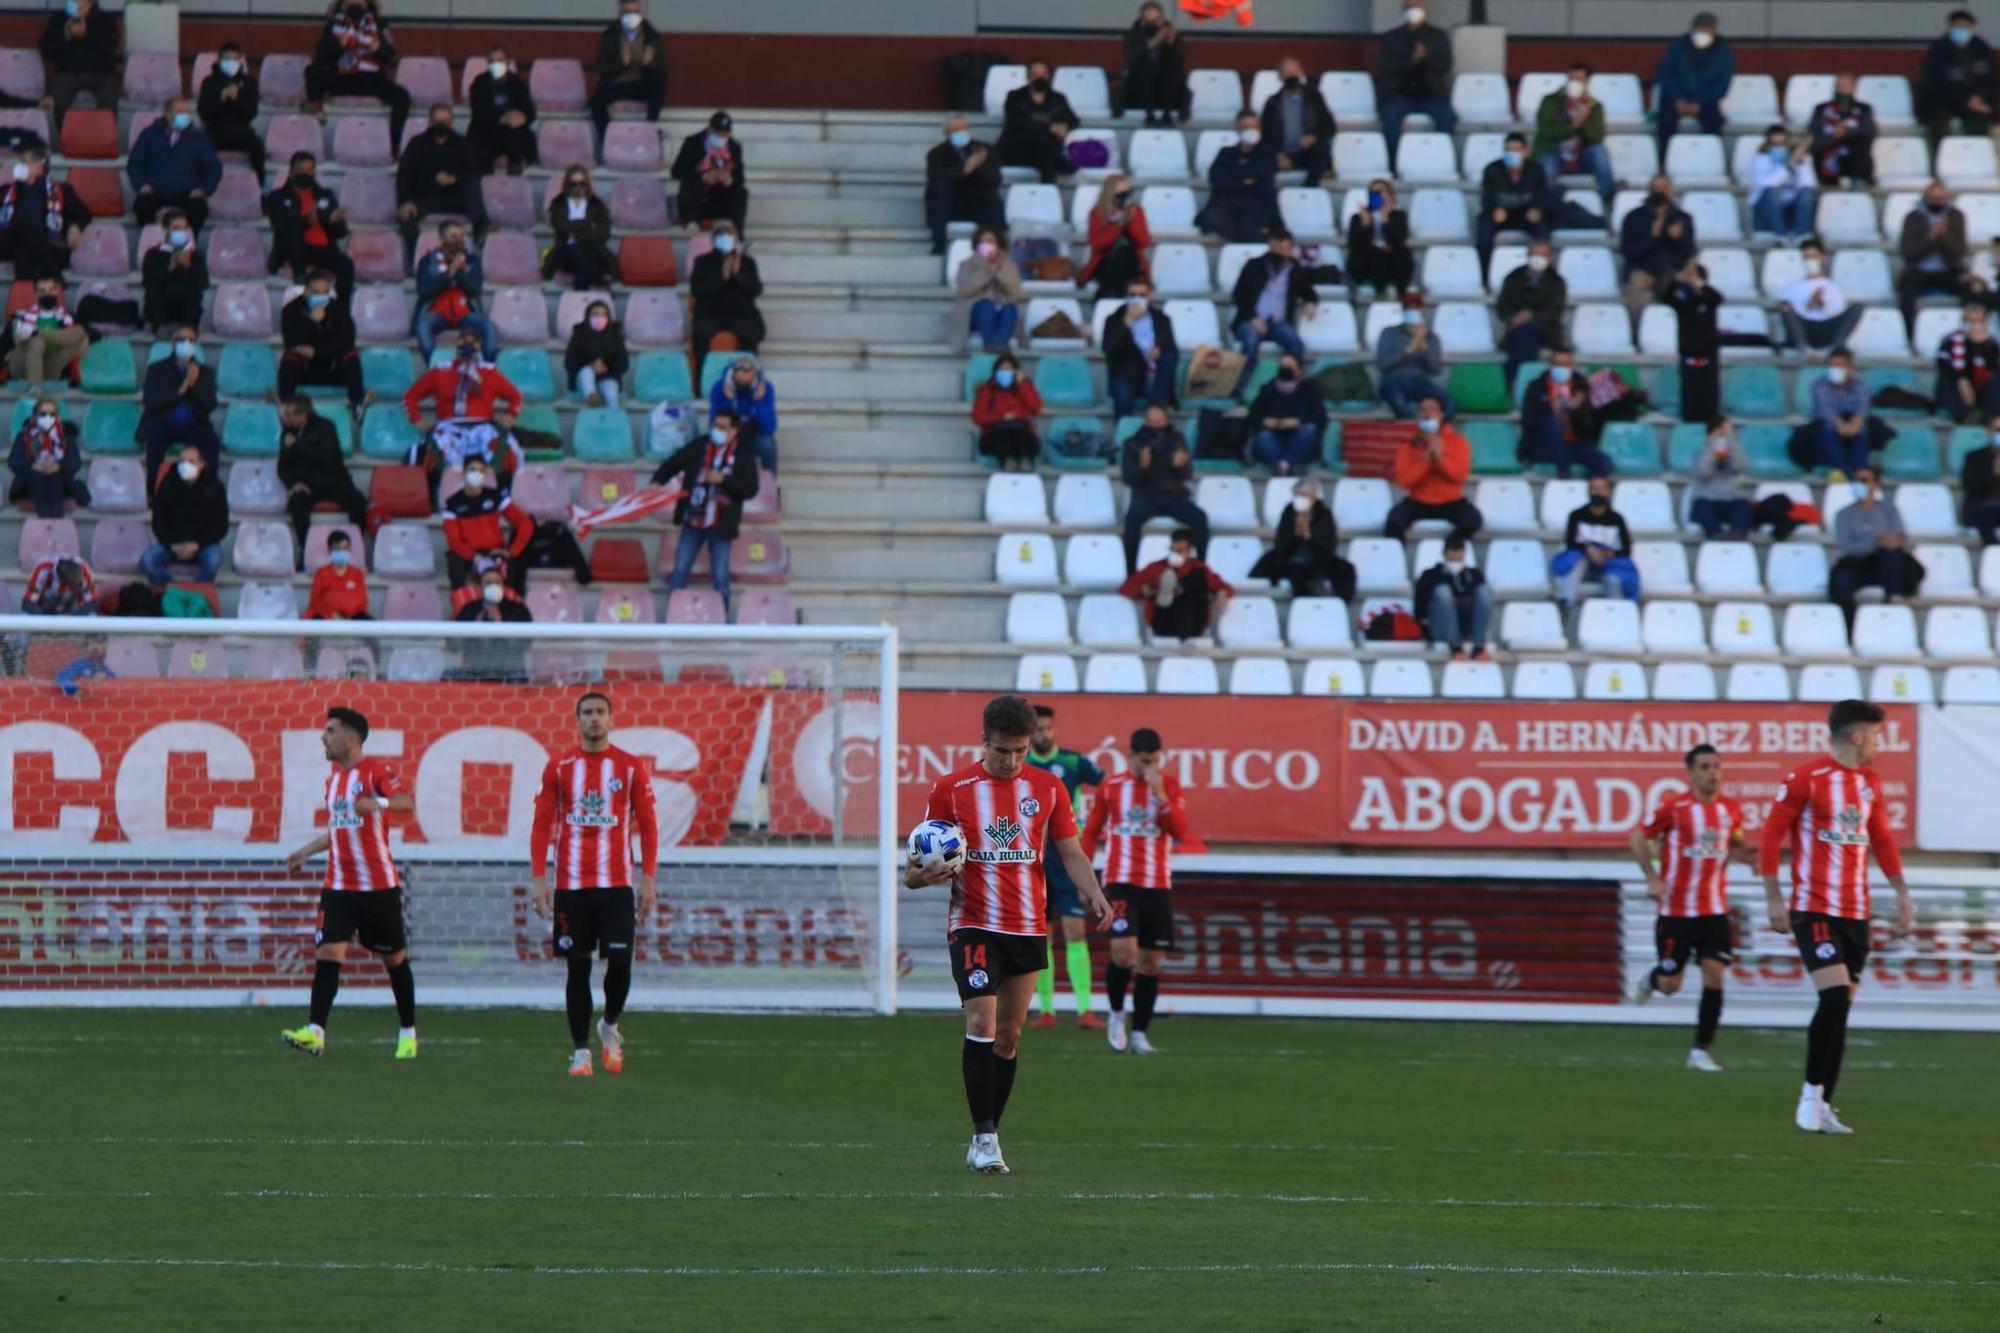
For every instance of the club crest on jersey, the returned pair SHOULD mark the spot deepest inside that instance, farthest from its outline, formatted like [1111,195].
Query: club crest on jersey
[592,812]
[1848,829]
[1030,807]
[1708,845]
[615,786]
[340,813]
[1002,830]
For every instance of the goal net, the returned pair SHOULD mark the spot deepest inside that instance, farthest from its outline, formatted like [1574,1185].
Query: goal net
[155,773]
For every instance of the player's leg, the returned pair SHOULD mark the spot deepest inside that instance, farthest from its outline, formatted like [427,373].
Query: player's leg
[385,933]
[330,935]
[1671,942]
[1045,980]
[1145,994]
[973,971]
[574,936]
[1076,965]
[1854,950]
[1010,1017]
[1708,1015]
[1117,979]
[616,933]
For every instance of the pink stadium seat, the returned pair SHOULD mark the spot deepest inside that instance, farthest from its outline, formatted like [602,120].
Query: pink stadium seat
[759,556]
[381,314]
[554,602]
[241,310]
[369,197]
[151,77]
[31,118]
[345,661]
[556,85]
[270,659]
[603,485]
[204,61]
[117,486]
[512,257]
[377,255]
[235,252]
[655,317]
[696,606]
[427,237]
[632,145]
[694,248]
[254,488]
[363,141]
[542,490]
[110,291]
[45,537]
[404,551]
[150,237]
[627,606]
[763,506]
[427,77]
[638,205]
[510,200]
[238,198]
[263,548]
[21,74]
[102,252]
[564,144]
[281,81]
[766,606]
[288,134]
[198,659]
[102,190]
[136,659]
[519,313]
[414,601]
[316,536]
[570,309]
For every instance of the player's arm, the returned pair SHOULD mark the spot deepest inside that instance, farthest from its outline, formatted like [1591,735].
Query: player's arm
[646,818]
[1740,850]
[1093,829]
[1070,849]
[918,877]
[1777,831]
[1644,842]
[1882,841]
[297,860]
[1173,808]
[539,838]
[387,792]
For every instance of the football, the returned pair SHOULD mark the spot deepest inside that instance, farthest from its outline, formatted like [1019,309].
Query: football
[937,842]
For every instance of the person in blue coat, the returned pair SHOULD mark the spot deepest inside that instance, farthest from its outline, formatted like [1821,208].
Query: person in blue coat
[173,165]
[1693,78]
[746,392]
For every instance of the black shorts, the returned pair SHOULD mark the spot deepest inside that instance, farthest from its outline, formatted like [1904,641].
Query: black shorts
[1825,940]
[376,917]
[1145,915]
[982,959]
[602,919]
[1706,937]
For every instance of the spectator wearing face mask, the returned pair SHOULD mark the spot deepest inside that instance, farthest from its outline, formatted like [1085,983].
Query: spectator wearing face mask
[47,463]
[227,101]
[339,587]
[1004,409]
[41,219]
[1967,361]
[1656,241]
[746,392]
[709,167]
[1530,306]
[1454,604]
[1718,501]
[312,469]
[1142,362]
[1569,134]
[989,294]
[1979,486]
[1512,193]
[1035,121]
[356,57]
[1298,123]
[1430,468]
[1597,548]
[1409,358]
[502,661]
[719,475]
[1287,420]
[1956,83]
[175,276]
[725,287]
[1843,136]
[307,224]
[631,66]
[1558,424]
[1874,548]
[1180,596]
[1272,296]
[319,343]
[80,45]
[463,393]
[1693,78]
[451,280]
[1305,549]
[1697,307]
[1816,312]
[60,586]
[596,360]
[190,519]
[45,336]
[1242,205]
[1784,189]
[1157,468]
[1378,243]
[437,174]
[581,221]
[177,404]
[1847,432]
[961,183]
[1934,252]
[503,117]
[1119,240]
[481,520]
[1413,76]
[1155,67]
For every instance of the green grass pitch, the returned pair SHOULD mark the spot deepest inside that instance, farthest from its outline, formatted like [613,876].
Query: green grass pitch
[181,1169]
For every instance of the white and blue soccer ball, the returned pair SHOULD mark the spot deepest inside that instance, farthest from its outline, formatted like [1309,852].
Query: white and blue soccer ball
[937,842]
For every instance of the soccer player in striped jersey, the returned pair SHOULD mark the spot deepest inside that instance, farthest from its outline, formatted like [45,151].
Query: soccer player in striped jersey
[1830,816]
[592,801]
[363,896]
[1009,814]
[1079,775]
[1136,817]
[1696,832]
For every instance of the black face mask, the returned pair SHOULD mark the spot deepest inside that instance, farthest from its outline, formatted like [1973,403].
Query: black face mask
[1656,199]
[1600,502]
[1039,85]
[47,302]
[440,131]
[357,12]
[1149,28]
[1295,82]
[302,179]
[1123,198]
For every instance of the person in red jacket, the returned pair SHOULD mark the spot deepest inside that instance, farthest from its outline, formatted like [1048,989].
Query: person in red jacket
[475,406]
[1119,240]
[1180,597]
[340,588]
[481,519]
[1005,409]
[1431,467]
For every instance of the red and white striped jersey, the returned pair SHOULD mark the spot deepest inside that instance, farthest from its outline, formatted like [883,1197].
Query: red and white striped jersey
[589,806]
[1007,822]
[1830,816]
[357,845]
[1137,829]
[1696,838]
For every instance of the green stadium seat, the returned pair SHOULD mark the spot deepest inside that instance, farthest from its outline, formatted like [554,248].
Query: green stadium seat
[1663,388]
[1752,391]
[246,370]
[716,364]
[978,370]
[1764,450]
[1326,363]
[1961,441]
[108,368]
[662,377]
[1267,370]
[602,435]
[1633,448]
[343,426]
[1802,389]
[1495,447]
[1480,387]
[159,350]
[1329,449]
[1896,377]
[541,418]
[1912,454]
[1058,450]
[386,432]
[1529,372]
[387,372]
[529,369]
[1683,444]
[24,407]
[108,428]
[1064,381]
[251,430]
[1125,428]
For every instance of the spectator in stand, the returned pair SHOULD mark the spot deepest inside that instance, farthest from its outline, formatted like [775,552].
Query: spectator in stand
[710,170]
[1843,137]
[1597,548]
[1378,243]
[1413,75]
[1430,468]
[173,165]
[190,519]
[1299,125]
[746,392]
[1156,466]
[1934,252]
[1409,357]
[1142,362]
[1816,312]
[1119,240]
[1530,306]
[1155,68]
[1693,78]
[1569,135]
[1957,81]
[80,46]
[175,275]
[631,66]
[1697,308]
[319,343]
[596,360]
[1034,123]
[1180,596]
[1305,549]
[1847,431]
[1288,419]
[1967,386]
[1656,241]
[1004,409]
[1454,604]
[503,117]
[312,469]
[1242,205]
[961,183]
[1983,274]
[46,337]
[1559,425]
[60,586]
[719,477]
[46,461]
[41,219]
[307,224]
[356,57]
[1874,548]
[1784,188]
[725,287]
[177,402]
[1512,193]
[504,661]
[481,521]
[468,398]
[1718,501]
[581,221]
[227,101]
[1272,293]
[437,174]
[1979,486]
[989,294]
[339,587]
[451,280]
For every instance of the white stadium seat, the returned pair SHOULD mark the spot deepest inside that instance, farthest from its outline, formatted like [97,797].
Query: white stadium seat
[1729,269]
[1014,498]
[1083,500]
[1902,162]
[1590,271]
[1684,682]
[1425,157]
[1045,307]
[1480,150]
[1828,682]
[1757,683]
[1796,569]
[1330,330]
[1277,500]
[1804,92]
[1743,629]
[1093,560]
[1001,80]
[1847,219]
[1647,506]
[1504,260]
[1194,322]
[1623,682]
[1695,160]
[1350,95]
[1927,509]
[1025,559]
[1307,213]
[1360,504]
[1624,100]
[1400,678]
[1947,573]
[1544,680]
[1659,332]
[1214,94]
[1863,276]
[1379,565]
[1900,685]
[1480,99]
[1037,620]
[1159,155]
[1727,569]
[1438,215]
[1966,162]
[1187,675]
[1337,676]
[1507,504]
[1716,216]
[1608,626]
[1228,501]
[1957,634]
[1516,566]
[1635,158]
[1464,327]
[1181,269]
[1532,88]
[1088,91]
[1264,85]
[1260,675]
[1034,203]
[1880,336]
[1045,673]
[1889,94]
[1886,632]
[1472,680]
[1971,685]
[1815,629]
[1114,673]
[1169,210]
[1452,270]
[1234,557]
[1532,627]
[1106,620]
[1360,155]
[1672,627]
[1751,103]
[1601,329]
[1558,499]
[1249,622]
[1319,623]
[1663,568]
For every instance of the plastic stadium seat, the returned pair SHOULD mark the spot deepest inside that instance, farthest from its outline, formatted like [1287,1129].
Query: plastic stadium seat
[1045,307]
[1971,685]
[1084,502]
[1615,681]
[1336,676]
[90,134]
[643,261]
[1635,158]
[1815,629]
[658,377]
[1966,162]
[1494,446]
[1228,501]
[1330,330]
[286,134]
[510,202]
[1064,381]
[602,435]
[1532,627]
[263,548]
[1158,155]
[1743,629]
[117,486]
[1751,103]
[717,364]
[1847,218]
[1307,213]
[251,430]
[1889,94]
[519,313]
[241,310]
[1559,499]
[1601,330]
[1360,155]
[1956,634]
[1725,569]
[152,77]
[1180,270]
[405,551]
[685,606]
[21,72]
[1516,566]
[632,145]
[1025,558]
[1663,568]
[1927,509]
[1757,682]
[109,427]
[1209,146]
[1884,631]
[1423,157]
[102,251]
[556,85]
[1436,214]
[1608,625]
[1401,678]
[1880,335]
[117,543]
[400,491]
[618,560]
[1947,572]
[1900,685]
[1753,391]
[1260,675]
[246,370]
[267,601]
[1319,623]
[1380,565]
[1506,504]
[197,659]
[362,141]
[1114,673]
[102,189]
[1715,213]
[1481,99]
[563,142]
[1632,447]
[1014,499]
[1034,203]
[1086,88]
[1685,682]
[1544,680]
[1803,92]
[1465,327]
[1186,675]
[386,432]
[1695,160]
[551,602]
[1673,627]
[1249,622]
[1169,209]
[1472,680]
[1093,561]
[1213,94]
[1106,620]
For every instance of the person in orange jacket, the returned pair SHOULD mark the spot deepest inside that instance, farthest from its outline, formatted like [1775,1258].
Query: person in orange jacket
[1431,468]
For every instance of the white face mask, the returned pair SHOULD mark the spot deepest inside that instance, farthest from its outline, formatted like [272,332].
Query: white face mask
[1302,503]
[724,243]
[1413,16]
[1413,319]
[631,22]
[492,592]
[475,481]
[1537,263]
[1176,559]
[497,68]
[229,67]
[1454,567]
[339,559]
[1575,87]
[20,171]
[188,471]
[1814,268]
[1249,138]
[46,420]
[1837,375]
[1702,39]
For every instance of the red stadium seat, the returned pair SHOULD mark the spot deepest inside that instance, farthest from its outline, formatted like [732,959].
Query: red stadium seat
[90,134]
[619,560]
[648,261]
[400,490]
[102,188]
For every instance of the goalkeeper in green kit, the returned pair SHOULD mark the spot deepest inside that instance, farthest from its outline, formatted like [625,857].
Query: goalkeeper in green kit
[1066,917]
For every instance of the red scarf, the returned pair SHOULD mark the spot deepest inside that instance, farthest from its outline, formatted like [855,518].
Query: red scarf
[1959,350]
[50,443]
[353,36]
[468,385]
[705,501]
[52,205]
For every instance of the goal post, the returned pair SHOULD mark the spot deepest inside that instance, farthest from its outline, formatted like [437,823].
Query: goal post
[154,774]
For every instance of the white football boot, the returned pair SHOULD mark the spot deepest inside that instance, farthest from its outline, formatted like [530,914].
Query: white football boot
[986,1158]
[1702,1060]
[1114,1030]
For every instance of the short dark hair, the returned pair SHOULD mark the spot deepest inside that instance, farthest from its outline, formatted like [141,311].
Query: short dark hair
[1515,136]
[1958,15]
[1007,715]
[227,47]
[1181,535]
[349,718]
[729,412]
[1278,234]
[1145,741]
[1851,713]
[588,695]
[304,157]
[298,402]
[1696,753]
[1583,65]
[1043,710]
[338,537]
[1454,543]
[441,106]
